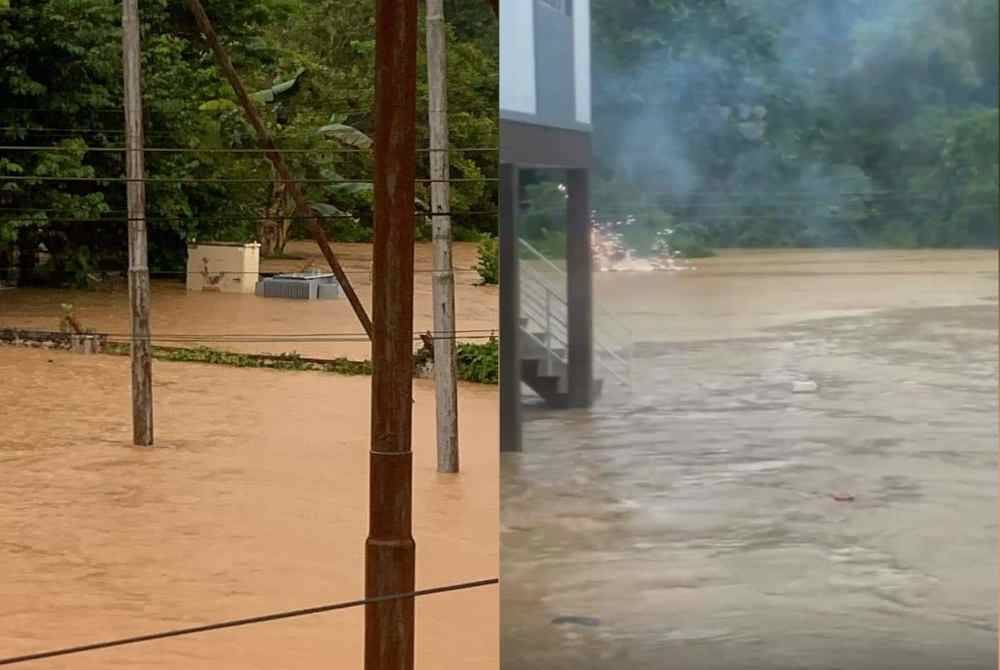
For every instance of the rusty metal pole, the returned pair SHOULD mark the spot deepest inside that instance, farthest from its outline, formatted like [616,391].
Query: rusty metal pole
[138,264]
[265,141]
[390,550]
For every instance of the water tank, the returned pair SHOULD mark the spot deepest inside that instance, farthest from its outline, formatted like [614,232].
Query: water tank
[300,286]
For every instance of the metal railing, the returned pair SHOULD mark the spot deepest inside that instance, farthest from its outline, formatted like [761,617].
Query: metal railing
[544,308]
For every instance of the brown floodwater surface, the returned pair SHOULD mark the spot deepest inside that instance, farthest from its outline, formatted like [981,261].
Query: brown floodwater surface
[713,519]
[253,501]
[176,310]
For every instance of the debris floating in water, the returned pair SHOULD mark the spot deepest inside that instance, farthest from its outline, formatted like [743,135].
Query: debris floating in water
[843,497]
[807,386]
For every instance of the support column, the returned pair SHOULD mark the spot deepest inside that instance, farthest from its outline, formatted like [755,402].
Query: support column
[579,289]
[510,313]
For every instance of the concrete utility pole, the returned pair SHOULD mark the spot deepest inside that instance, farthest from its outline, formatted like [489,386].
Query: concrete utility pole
[302,207]
[443,285]
[138,264]
[390,552]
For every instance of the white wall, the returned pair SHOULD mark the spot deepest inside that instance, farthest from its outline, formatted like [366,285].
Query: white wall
[517,56]
[581,58]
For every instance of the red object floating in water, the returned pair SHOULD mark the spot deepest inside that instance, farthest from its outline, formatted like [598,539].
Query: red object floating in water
[843,497]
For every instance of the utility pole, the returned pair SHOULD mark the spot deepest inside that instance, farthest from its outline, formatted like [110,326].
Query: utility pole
[138,264]
[302,208]
[390,552]
[443,283]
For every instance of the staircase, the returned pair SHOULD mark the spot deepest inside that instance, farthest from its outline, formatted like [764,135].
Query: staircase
[544,334]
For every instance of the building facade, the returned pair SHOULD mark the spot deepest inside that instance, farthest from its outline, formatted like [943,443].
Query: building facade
[545,117]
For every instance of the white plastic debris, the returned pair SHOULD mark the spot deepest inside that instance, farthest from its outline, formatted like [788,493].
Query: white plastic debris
[807,386]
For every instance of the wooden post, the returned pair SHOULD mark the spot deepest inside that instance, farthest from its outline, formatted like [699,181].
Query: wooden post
[443,283]
[302,207]
[390,550]
[138,266]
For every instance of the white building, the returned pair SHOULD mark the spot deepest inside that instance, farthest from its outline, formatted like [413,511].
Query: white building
[545,117]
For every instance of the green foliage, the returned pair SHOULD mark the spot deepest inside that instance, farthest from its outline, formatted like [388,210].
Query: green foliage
[488,266]
[475,362]
[797,122]
[313,67]
[290,361]
[478,363]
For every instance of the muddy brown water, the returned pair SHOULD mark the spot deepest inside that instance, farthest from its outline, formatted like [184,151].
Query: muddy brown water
[714,519]
[254,501]
[175,310]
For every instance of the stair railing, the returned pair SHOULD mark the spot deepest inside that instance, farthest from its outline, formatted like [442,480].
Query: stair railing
[543,305]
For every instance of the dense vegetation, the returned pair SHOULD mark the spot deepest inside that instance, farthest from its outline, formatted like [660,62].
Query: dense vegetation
[478,363]
[313,64]
[768,123]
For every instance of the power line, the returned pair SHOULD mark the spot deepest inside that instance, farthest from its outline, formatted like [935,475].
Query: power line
[224,180]
[232,218]
[50,130]
[234,623]
[350,111]
[268,273]
[66,218]
[260,338]
[214,150]
[179,273]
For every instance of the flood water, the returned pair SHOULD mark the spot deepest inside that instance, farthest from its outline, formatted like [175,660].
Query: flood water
[275,325]
[715,519]
[254,500]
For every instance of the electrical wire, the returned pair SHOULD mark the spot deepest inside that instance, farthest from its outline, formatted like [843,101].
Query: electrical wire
[225,180]
[234,623]
[251,338]
[214,150]
[65,218]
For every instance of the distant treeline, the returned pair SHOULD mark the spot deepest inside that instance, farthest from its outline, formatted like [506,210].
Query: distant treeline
[772,123]
[313,66]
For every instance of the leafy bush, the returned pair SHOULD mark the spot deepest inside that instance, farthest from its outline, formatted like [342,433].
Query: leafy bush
[460,233]
[489,260]
[479,363]
[691,242]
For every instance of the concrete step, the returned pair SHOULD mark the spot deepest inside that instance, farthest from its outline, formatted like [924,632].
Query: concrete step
[548,381]
[545,385]
[530,368]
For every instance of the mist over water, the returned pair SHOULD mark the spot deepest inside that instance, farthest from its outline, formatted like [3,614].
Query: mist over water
[779,123]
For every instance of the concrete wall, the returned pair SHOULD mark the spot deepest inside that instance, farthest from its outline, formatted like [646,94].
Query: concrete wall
[545,63]
[226,268]
[517,57]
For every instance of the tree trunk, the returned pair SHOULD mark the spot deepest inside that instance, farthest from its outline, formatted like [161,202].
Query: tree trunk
[276,223]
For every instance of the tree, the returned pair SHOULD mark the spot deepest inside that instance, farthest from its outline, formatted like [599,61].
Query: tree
[62,71]
[799,122]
